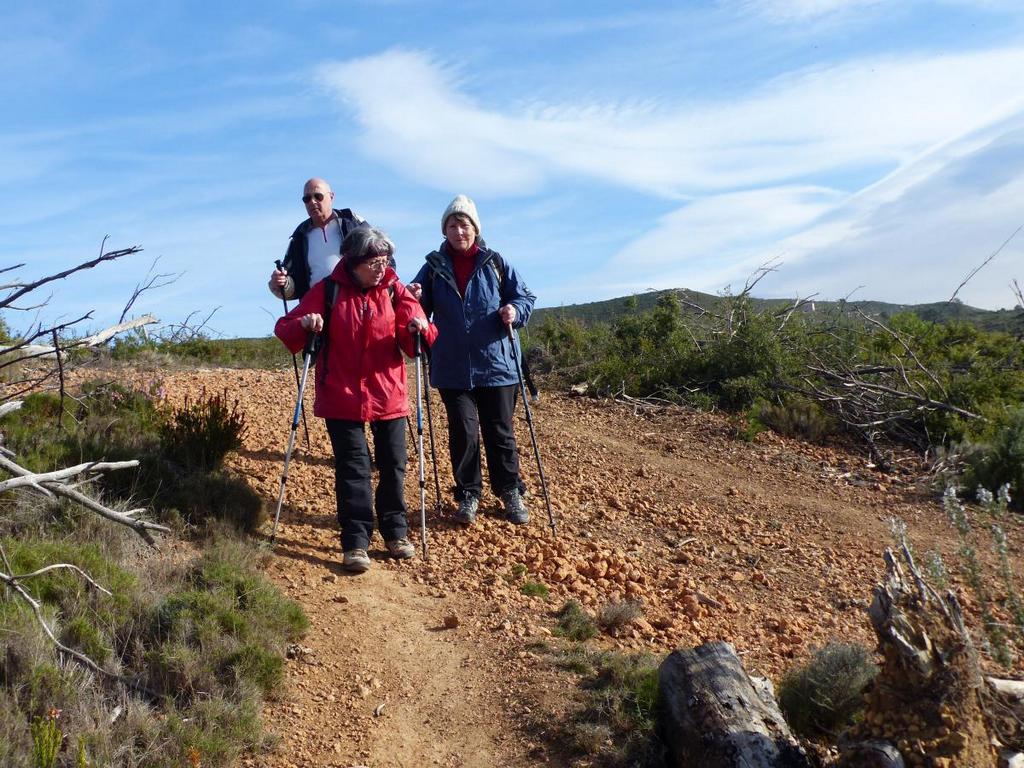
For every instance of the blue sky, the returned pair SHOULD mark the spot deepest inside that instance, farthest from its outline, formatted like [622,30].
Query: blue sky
[872,148]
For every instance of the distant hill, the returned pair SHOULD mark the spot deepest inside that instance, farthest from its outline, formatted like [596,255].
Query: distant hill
[1008,320]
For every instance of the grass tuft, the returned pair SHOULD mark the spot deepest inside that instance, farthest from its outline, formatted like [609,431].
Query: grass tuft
[616,616]
[535,589]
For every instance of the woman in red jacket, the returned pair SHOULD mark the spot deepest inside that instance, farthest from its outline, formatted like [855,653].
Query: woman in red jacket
[360,377]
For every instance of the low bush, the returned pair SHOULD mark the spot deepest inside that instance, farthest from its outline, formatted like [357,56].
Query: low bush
[796,417]
[998,461]
[203,431]
[207,639]
[824,695]
[616,616]
[180,453]
[575,623]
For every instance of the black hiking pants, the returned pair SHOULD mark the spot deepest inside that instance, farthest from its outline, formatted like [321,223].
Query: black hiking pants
[486,410]
[353,480]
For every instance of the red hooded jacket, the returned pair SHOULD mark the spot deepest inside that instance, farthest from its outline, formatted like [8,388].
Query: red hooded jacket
[360,375]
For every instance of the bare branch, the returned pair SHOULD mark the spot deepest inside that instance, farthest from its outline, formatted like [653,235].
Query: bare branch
[981,266]
[153,282]
[36,608]
[109,256]
[50,487]
[63,474]
[58,566]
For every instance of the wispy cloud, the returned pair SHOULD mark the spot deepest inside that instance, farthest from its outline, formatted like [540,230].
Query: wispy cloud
[912,237]
[416,118]
[784,11]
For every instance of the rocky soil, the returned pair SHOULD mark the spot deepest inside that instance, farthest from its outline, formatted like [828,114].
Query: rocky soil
[773,545]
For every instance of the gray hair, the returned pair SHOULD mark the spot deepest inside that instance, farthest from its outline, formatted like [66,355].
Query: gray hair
[366,243]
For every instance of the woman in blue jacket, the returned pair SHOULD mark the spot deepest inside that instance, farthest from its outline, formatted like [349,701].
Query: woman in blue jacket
[474,295]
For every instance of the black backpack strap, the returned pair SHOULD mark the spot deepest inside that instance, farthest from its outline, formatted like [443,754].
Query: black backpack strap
[330,296]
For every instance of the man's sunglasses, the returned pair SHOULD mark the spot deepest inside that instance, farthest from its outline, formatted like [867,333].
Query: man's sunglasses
[318,196]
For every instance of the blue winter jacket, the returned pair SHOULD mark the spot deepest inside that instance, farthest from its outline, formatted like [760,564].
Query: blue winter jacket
[472,347]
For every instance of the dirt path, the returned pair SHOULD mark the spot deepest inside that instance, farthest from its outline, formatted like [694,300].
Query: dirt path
[773,545]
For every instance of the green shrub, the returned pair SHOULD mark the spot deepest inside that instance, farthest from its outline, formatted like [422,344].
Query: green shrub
[201,433]
[208,639]
[535,589]
[824,695]
[175,452]
[46,740]
[999,461]
[574,622]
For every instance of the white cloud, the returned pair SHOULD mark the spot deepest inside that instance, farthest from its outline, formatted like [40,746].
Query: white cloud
[416,118]
[911,238]
[785,11]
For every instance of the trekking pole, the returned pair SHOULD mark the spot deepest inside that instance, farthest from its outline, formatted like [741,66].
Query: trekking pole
[295,362]
[430,431]
[308,352]
[533,434]
[418,354]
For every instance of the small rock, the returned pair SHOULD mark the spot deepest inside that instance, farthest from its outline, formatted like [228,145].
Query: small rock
[451,621]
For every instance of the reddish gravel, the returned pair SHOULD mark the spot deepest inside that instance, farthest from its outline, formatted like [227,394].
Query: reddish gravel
[773,545]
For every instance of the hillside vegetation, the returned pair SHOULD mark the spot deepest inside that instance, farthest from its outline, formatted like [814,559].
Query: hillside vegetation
[951,391]
[611,310]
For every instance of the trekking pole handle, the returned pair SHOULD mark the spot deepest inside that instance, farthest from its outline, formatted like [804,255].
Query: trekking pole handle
[312,340]
[417,344]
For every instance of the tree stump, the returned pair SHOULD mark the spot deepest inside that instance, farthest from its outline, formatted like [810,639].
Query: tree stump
[712,716]
[927,701]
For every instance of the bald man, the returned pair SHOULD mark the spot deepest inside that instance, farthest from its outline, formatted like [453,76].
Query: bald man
[315,247]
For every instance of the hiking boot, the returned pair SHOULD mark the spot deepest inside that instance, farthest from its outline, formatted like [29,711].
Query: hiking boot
[401,549]
[356,561]
[466,513]
[515,509]
[535,398]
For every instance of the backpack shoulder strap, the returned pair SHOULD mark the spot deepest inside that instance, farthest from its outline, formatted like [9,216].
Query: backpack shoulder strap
[330,296]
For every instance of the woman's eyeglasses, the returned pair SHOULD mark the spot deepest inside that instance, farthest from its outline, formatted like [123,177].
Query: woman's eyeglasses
[378,263]
[318,196]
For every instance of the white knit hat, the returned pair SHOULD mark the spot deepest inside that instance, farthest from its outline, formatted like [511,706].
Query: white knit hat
[465,206]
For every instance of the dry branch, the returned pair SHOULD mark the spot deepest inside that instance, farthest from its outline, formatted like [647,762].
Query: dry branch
[142,527]
[87,341]
[7,301]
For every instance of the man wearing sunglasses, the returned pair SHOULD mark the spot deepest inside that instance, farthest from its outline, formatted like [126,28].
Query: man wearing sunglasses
[315,246]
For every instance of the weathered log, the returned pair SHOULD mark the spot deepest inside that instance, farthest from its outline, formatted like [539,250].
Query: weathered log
[927,699]
[712,716]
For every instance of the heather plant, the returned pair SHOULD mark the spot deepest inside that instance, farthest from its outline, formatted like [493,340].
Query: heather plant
[46,739]
[203,431]
[175,450]
[796,417]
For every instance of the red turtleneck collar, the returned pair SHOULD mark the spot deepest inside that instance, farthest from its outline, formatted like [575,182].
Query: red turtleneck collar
[463,264]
